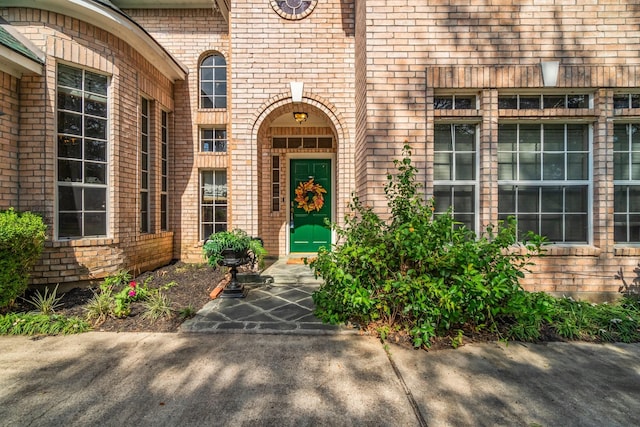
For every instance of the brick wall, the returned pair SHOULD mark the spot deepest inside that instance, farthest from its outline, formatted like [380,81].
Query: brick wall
[190,35]
[9,131]
[413,49]
[85,46]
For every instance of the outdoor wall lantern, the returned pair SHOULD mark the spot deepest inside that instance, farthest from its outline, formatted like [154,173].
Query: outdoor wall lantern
[550,72]
[300,117]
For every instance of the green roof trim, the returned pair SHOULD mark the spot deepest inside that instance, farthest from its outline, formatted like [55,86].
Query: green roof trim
[9,41]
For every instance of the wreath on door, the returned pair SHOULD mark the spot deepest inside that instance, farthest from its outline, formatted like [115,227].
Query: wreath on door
[310,196]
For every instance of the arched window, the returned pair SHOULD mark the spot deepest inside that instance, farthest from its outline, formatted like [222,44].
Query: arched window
[213,82]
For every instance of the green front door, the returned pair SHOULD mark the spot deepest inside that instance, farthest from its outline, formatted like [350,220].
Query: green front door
[308,231]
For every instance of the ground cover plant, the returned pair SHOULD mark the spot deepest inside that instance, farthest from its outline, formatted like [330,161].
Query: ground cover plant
[423,275]
[159,301]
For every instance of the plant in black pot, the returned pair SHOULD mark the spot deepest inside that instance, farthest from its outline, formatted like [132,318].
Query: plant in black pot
[233,249]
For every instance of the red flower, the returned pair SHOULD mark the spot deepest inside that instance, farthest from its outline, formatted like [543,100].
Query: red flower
[133,284]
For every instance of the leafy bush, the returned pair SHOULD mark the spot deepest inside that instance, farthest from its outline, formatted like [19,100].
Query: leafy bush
[22,237]
[421,272]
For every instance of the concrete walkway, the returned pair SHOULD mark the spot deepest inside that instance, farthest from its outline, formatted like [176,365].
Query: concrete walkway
[261,375]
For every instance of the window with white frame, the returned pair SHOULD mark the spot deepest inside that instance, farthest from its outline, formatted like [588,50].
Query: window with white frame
[213,202]
[626,175]
[213,82]
[144,165]
[455,102]
[164,171]
[213,140]
[455,171]
[545,101]
[544,179]
[82,154]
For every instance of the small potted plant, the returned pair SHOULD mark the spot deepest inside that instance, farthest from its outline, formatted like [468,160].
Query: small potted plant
[233,249]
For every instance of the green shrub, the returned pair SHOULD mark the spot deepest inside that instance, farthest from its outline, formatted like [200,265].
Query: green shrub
[22,237]
[421,272]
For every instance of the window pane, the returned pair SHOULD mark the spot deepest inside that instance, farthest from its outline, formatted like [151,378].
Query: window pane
[635,137]
[634,198]
[529,166]
[551,227]
[530,137]
[620,165]
[552,199]
[95,199]
[95,83]
[577,101]
[620,199]
[507,166]
[69,99]
[576,199]
[70,123]
[635,100]
[465,137]
[576,228]
[620,228]
[507,199]
[95,128]
[465,102]
[70,225]
[463,198]
[554,138]
[510,102]
[96,106]
[577,138]
[577,166]
[95,224]
[69,198]
[634,228]
[69,171]
[465,166]
[620,138]
[69,146]
[442,135]
[635,167]
[69,77]
[95,150]
[528,199]
[95,173]
[553,101]
[528,223]
[443,103]
[553,166]
[529,102]
[507,137]
[442,166]
[442,197]
[621,101]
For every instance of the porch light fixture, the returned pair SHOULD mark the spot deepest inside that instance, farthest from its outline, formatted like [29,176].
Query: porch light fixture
[300,117]
[550,72]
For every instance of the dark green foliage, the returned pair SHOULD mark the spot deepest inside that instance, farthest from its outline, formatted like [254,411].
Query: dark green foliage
[237,241]
[22,237]
[421,272]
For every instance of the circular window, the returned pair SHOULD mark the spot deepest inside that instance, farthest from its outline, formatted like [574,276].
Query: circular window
[293,9]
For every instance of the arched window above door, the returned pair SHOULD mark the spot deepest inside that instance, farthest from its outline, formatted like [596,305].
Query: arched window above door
[213,82]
